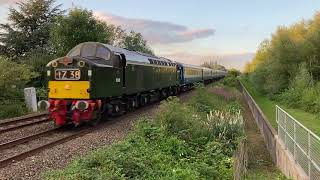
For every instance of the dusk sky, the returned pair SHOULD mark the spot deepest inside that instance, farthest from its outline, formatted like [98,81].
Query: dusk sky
[195,31]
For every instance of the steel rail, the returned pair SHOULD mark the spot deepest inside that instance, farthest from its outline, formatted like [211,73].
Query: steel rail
[15,142]
[6,122]
[23,155]
[23,123]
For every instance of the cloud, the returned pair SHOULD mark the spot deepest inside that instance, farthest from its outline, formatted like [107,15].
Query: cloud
[157,32]
[237,61]
[3,2]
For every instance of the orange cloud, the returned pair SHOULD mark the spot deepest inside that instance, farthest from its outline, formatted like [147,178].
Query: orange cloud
[237,61]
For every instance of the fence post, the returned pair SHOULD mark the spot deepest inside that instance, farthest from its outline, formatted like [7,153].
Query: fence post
[309,158]
[295,142]
[285,130]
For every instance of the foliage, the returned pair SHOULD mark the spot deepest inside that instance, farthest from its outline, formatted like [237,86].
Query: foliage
[135,42]
[178,144]
[28,28]
[286,67]
[77,27]
[213,65]
[204,102]
[303,92]
[80,26]
[12,108]
[231,78]
[12,81]
[38,59]
[15,77]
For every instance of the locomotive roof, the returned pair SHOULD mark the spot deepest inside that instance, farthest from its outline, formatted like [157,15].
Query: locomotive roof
[135,56]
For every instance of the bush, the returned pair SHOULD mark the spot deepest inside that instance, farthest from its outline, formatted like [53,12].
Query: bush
[12,81]
[12,108]
[303,93]
[204,102]
[230,81]
[231,78]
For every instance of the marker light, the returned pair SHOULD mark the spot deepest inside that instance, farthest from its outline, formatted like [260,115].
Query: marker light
[81,63]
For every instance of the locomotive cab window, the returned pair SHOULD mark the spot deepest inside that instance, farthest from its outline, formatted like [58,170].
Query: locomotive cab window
[90,50]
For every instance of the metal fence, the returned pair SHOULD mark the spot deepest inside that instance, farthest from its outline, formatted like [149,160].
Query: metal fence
[303,144]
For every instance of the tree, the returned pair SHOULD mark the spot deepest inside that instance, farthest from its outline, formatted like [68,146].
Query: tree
[77,27]
[38,59]
[14,77]
[213,65]
[135,42]
[28,27]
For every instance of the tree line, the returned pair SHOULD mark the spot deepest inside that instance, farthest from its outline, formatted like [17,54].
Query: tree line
[286,67]
[38,31]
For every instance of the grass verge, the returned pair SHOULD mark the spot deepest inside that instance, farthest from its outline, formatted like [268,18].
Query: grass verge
[311,121]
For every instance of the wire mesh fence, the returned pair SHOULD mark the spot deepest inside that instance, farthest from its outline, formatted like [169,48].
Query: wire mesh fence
[303,144]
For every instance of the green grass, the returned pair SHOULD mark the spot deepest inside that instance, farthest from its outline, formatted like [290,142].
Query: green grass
[311,121]
[265,175]
[266,105]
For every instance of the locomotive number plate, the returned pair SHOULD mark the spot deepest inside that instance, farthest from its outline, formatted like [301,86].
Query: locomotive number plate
[67,74]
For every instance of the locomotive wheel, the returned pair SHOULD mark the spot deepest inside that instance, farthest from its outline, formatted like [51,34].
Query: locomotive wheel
[143,100]
[132,104]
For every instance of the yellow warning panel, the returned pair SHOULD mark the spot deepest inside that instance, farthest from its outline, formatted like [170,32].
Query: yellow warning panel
[69,89]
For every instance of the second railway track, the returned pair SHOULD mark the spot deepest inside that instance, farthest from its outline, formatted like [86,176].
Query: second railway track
[23,122]
[11,151]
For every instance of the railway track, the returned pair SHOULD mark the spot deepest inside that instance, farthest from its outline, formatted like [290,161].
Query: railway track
[8,147]
[21,122]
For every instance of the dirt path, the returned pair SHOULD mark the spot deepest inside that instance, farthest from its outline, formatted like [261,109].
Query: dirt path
[260,165]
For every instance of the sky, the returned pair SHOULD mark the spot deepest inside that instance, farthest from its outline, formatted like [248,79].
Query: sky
[227,31]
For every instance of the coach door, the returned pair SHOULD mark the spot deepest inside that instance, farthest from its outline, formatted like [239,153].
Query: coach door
[180,74]
[123,66]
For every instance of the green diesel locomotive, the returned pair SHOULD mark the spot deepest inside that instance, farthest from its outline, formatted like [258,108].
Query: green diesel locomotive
[95,80]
